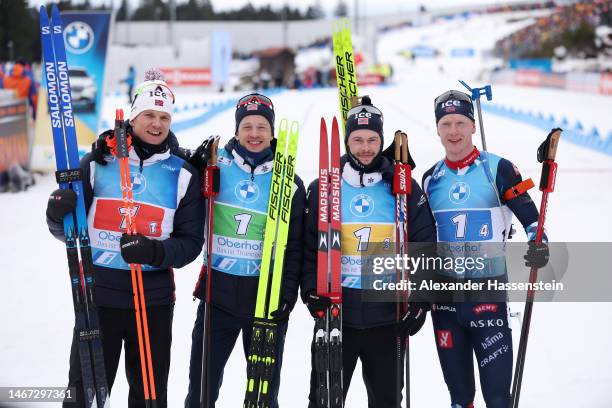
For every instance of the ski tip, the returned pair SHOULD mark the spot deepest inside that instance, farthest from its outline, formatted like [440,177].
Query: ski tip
[335,124]
[56,20]
[323,125]
[43,19]
[284,124]
[295,126]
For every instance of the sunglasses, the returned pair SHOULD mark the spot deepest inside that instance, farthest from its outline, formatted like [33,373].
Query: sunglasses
[255,98]
[368,108]
[452,95]
[157,83]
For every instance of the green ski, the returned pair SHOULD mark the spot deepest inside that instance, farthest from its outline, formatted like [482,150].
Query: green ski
[346,69]
[261,360]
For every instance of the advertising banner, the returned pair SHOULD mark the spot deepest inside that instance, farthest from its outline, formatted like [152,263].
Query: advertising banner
[221,56]
[86,38]
[187,76]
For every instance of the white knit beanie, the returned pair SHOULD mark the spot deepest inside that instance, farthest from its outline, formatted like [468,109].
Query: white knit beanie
[153,94]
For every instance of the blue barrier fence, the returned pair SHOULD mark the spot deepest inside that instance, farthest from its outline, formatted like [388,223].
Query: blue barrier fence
[576,133]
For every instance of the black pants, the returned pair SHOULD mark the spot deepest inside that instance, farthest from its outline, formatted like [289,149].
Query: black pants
[377,350]
[464,330]
[118,328]
[224,332]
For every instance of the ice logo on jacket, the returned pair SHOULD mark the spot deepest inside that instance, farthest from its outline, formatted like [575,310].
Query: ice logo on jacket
[139,183]
[362,205]
[79,37]
[459,192]
[246,191]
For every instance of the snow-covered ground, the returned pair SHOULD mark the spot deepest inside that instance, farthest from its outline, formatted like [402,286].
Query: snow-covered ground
[568,360]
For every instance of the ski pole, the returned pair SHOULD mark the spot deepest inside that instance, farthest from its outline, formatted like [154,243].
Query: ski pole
[121,147]
[401,189]
[407,192]
[546,156]
[476,93]
[210,191]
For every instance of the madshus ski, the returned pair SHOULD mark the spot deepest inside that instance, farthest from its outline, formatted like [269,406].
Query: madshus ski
[69,176]
[261,360]
[328,325]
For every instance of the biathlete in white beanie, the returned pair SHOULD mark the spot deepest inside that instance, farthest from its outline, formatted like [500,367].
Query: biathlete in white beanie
[169,221]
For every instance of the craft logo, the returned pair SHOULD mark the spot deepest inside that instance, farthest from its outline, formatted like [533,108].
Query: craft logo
[459,192]
[79,37]
[422,200]
[246,191]
[362,205]
[445,339]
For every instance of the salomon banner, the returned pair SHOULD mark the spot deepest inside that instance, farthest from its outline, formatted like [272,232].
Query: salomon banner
[86,37]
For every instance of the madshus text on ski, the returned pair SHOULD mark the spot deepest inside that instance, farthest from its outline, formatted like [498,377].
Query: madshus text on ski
[138,205]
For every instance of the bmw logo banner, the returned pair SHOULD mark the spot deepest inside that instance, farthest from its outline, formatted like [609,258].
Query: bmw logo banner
[86,36]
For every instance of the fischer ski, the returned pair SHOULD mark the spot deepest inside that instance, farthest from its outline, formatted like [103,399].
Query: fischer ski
[210,191]
[261,360]
[69,176]
[328,325]
[346,69]
[546,155]
[120,146]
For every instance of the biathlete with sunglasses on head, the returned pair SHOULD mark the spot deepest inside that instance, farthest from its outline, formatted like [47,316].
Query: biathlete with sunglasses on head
[169,217]
[369,329]
[240,209]
[473,195]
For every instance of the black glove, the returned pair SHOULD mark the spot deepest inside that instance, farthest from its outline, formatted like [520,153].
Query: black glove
[281,315]
[537,255]
[316,304]
[199,158]
[99,148]
[139,249]
[61,202]
[413,319]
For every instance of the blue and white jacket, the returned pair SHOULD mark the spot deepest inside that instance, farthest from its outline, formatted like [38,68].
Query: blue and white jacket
[169,207]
